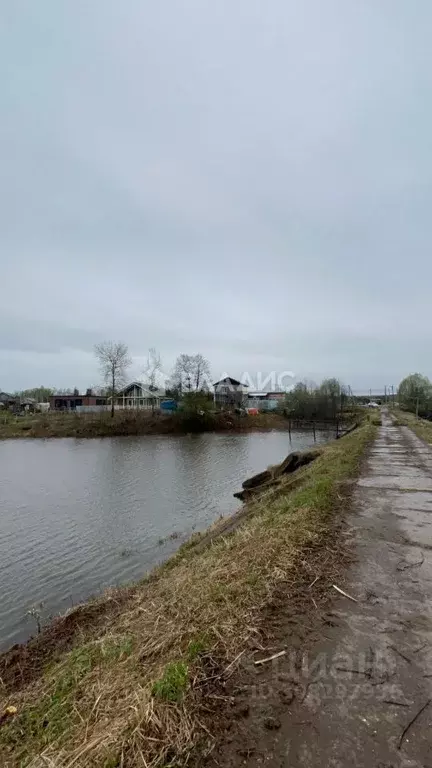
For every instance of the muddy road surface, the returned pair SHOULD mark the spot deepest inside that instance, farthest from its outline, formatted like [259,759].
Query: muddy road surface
[361,693]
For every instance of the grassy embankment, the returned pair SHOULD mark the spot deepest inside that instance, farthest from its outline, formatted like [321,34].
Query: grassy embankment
[139,689]
[421,427]
[130,423]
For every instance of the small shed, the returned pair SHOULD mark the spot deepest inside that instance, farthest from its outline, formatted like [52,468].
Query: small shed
[168,406]
[28,404]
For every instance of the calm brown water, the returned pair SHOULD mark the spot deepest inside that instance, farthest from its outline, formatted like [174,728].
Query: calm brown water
[77,516]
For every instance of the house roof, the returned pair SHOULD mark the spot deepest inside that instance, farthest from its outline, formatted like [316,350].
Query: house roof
[144,387]
[230,380]
[128,386]
[4,396]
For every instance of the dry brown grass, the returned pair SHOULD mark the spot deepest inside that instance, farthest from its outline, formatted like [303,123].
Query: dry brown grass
[138,695]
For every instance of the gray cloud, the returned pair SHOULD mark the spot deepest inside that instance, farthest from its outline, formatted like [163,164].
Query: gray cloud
[246,180]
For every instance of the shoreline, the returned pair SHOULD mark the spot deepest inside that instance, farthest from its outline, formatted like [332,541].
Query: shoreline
[51,426]
[171,636]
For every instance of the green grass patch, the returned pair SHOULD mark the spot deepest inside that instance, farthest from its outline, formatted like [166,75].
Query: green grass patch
[173,683]
[375,418]
[196,647]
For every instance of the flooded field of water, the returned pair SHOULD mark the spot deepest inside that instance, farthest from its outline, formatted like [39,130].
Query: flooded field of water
[77,516]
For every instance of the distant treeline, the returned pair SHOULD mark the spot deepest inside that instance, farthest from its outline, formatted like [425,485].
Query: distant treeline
[40,394]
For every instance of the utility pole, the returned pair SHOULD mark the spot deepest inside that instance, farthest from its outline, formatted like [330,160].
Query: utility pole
[392,396]
[385,393]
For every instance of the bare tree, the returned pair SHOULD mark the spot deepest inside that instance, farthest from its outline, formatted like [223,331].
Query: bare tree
[181,375]
[154,365]
[114,360]
[201,370]
[190,372]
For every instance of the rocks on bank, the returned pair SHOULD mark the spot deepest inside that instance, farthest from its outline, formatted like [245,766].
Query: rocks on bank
[270,477]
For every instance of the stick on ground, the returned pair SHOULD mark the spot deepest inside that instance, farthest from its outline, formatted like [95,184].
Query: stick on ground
[270,658]
[402,655]
[345,594]
[404,566]
[411,722]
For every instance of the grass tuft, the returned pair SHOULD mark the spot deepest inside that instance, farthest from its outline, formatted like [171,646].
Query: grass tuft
[196,648]
[173,683]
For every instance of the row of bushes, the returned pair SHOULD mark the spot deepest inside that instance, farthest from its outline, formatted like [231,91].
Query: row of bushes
[326,402]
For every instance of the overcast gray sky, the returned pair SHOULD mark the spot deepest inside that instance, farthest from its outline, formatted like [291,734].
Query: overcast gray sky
[246,179]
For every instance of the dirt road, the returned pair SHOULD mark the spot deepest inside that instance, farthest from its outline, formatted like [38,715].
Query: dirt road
[362,694]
